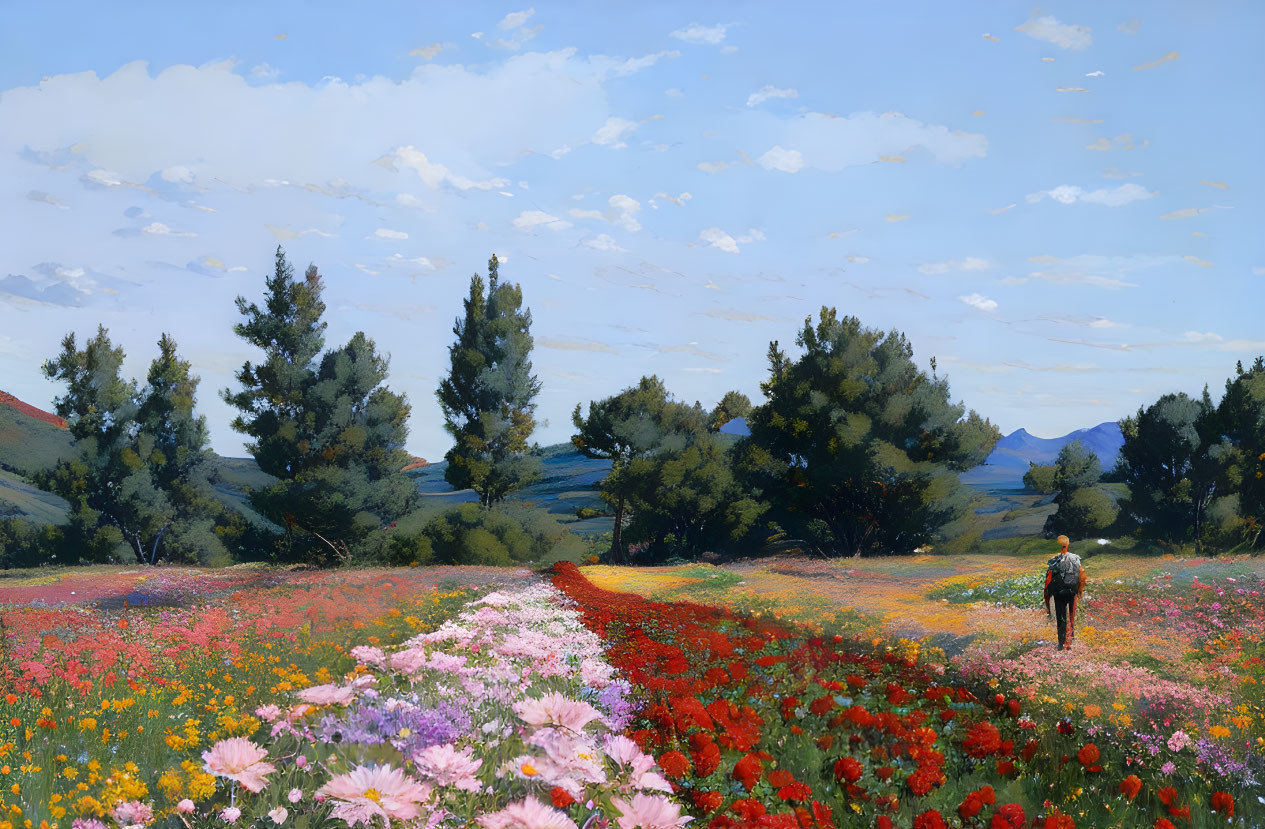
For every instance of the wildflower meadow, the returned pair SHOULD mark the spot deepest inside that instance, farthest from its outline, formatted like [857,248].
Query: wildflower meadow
[774,694]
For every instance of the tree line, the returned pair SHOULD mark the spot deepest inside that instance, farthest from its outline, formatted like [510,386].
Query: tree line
[1193,472]
[854,451]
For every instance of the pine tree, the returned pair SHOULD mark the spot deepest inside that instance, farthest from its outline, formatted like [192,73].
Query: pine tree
[488,397]
[322,424]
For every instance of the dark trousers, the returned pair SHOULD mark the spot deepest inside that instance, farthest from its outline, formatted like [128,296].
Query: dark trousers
[1065,613]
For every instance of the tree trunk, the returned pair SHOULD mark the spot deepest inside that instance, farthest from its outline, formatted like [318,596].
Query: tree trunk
[617,549]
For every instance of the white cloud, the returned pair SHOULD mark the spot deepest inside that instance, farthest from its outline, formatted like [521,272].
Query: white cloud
[698,33]
[427,52]
[178,174]
[778,158]
[626,210]
[105,178]
[979,301]
[388,233]
[515,19]
[1116,197]
[47,198]
[613,132]
[1191,212]
[721,240]
[768,91]
[718,238]
[970,263]
[435,175]
[539,218]
[577,213]
[1063,35]
[563,344]
[264,72]
[615,68]
[1110,272]
[605,243]
[160,229]
[677,200]
[714,166]
[832,143]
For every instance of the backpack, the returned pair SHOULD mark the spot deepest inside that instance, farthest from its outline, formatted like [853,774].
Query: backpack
[1066,568]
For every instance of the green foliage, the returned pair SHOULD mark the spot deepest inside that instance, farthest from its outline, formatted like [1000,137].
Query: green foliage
[1241,415]
[137,479]
[1085,509]
[733,404]
[1039,477]
[327,429]
[27,544]
[488,397]
[502,535]
[854,435]
[1173,461]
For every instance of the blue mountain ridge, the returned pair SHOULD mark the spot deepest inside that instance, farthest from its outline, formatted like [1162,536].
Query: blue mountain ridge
[1005,466]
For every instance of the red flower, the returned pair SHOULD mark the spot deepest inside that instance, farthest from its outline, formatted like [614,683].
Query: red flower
[987,795]
[970,806]
[930,819]
[821,706]
[1183,812]
[747,809]
[1005,768]
[825,741]
[1065,726]
[1029,751]
[885,773]
[1130,786]
[674,764]
[823,815]
[747,771]
[924,780]
[982,739]
[1009,816]
[1167,795]
[780,777]
[847,768]
[561,797]
[1056,820]
[1223,802]
[884,822]
[1163,823]
[1014,707]
[708,801]
[1088,755]
[799,792]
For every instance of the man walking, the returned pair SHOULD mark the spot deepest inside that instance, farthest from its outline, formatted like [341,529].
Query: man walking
[1064,582]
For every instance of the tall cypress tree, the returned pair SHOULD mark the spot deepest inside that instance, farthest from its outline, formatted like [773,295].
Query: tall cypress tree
[488,397]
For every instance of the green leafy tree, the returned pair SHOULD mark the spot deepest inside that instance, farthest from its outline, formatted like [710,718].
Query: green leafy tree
[1039,477]
[488,397]
[324,424]
[733,404]
[1173,461]
[622,428]
[1241,414]
[1084,508]
[854,435]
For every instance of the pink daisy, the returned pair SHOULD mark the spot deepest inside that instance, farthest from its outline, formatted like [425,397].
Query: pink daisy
[528,814]
[369,791]
[448,767]
[240,760]
[557,709]
[649,812]
[327,695]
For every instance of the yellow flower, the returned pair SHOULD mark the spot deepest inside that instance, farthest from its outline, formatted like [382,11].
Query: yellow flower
[1219,731]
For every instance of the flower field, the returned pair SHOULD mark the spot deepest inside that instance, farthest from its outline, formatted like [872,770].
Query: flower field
[914,693]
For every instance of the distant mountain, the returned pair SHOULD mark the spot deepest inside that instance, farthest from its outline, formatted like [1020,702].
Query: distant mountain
[1005,467]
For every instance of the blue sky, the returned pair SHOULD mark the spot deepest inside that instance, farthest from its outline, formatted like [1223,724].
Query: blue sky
[1062,205]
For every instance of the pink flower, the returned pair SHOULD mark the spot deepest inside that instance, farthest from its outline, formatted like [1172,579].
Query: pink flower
[268,713]
[449,767]
[369,656]
[328,695]
[369,791]
[231,814]
[621,749]
[279,815]
[1168,768]
[527,814]
[186,807]
[300,761]
[649,812]
[133,813]
[240,760]
[556,709]
[295,795]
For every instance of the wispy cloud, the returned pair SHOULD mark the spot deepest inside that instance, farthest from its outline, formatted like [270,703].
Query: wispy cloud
[768,92]
[734,315]
[432,174]
[1115,197]
[698,33]
[529,219]
[1062,35]
[979,301]
[1191,212]
[1120,142]
[721,240]
[1155,63]
[564,344]
[613,132]
[970,263]
[604,242]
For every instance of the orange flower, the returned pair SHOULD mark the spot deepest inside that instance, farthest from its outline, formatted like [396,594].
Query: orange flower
[12,699]
[1223,802]
[561,797]
[1167,795]
[1088,755]
[1130,786]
